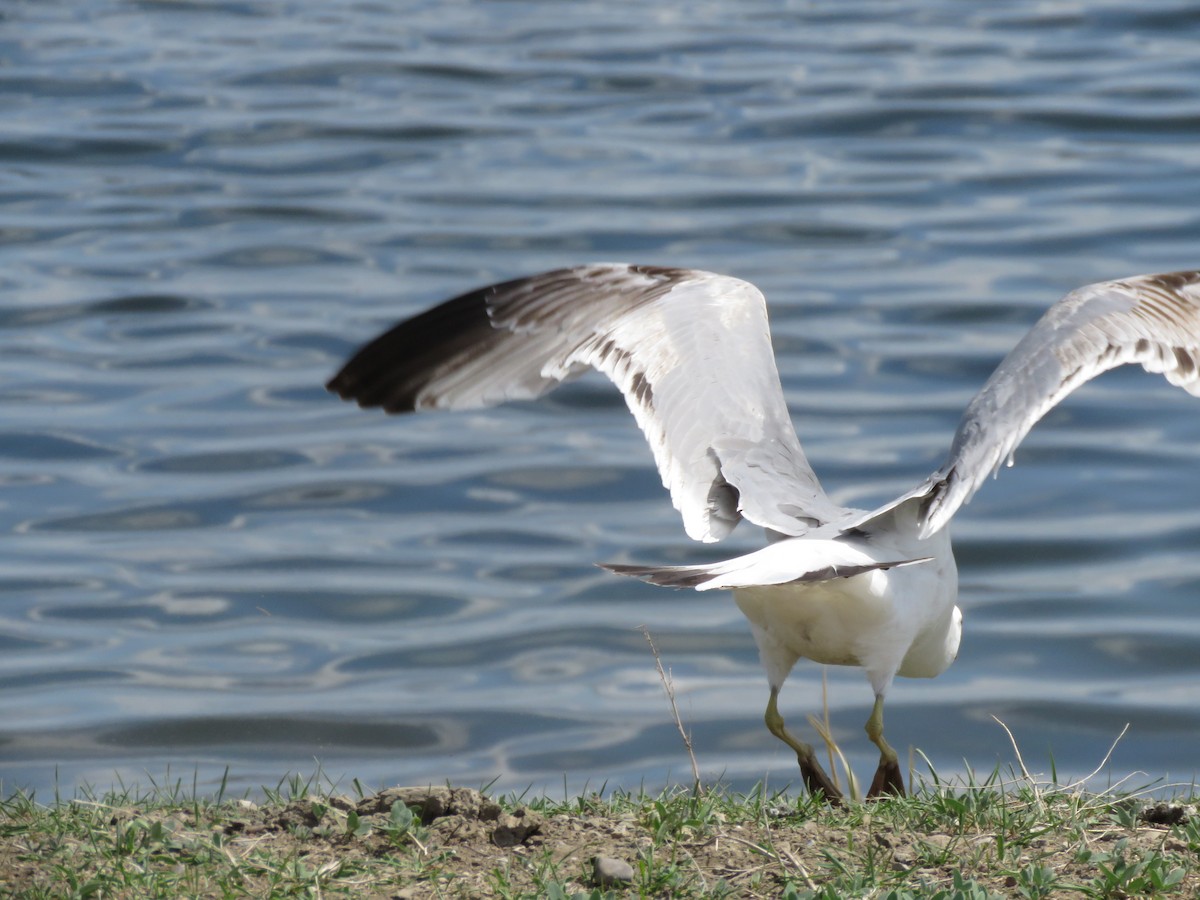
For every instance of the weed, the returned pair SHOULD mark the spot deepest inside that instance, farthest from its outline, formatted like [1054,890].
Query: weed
[1035,882]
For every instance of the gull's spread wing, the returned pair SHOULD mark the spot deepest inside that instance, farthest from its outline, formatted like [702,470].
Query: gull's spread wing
[690,351]
[1153,320]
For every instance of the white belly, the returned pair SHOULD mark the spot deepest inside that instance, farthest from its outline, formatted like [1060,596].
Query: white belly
[825,621]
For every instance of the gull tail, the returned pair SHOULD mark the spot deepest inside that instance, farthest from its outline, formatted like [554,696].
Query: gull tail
[786,562]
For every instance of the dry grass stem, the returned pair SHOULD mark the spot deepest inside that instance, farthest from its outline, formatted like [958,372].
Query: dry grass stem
[669,686]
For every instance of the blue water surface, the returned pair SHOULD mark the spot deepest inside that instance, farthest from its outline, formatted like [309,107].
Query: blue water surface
[208,563]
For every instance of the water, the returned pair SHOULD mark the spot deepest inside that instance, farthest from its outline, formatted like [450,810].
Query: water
[206,561]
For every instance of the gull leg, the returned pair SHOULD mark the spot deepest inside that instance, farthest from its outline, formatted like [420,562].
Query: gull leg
[815,778]
[888,778]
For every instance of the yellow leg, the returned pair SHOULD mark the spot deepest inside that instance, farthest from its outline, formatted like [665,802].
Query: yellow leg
[888,778]
[815,778]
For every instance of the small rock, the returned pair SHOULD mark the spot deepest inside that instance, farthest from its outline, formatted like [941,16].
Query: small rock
[609,872]
[489,811]
[516,829]
[465,802]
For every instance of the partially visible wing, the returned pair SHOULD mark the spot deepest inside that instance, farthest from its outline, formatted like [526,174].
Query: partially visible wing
[784,562]
[690,350]
[1153,320]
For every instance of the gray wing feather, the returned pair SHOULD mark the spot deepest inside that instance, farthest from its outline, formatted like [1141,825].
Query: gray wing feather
[689,350]
[1152,320]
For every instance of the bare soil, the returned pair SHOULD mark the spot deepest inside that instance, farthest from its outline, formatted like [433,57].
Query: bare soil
[459,843]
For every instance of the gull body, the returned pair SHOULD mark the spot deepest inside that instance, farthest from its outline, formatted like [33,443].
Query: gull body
[691,353]
[898,621]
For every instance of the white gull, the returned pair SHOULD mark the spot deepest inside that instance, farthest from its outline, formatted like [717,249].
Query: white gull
[691,352]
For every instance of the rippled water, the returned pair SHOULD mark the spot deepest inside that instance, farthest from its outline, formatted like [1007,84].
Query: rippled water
[207,561]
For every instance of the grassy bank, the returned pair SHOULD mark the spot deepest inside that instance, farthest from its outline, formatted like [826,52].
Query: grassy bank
[965,841]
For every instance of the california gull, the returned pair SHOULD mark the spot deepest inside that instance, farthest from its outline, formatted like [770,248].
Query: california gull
[691,352]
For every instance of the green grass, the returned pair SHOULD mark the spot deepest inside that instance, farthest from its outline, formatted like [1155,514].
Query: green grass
[973,839]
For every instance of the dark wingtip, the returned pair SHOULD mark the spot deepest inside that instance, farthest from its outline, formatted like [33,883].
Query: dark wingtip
[391,370]
[339,384]
[663,576]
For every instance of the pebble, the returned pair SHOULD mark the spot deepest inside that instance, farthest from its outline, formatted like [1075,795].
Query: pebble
[607,872]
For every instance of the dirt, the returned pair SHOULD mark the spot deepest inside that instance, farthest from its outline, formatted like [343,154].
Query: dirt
[454,842]
[466,839]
